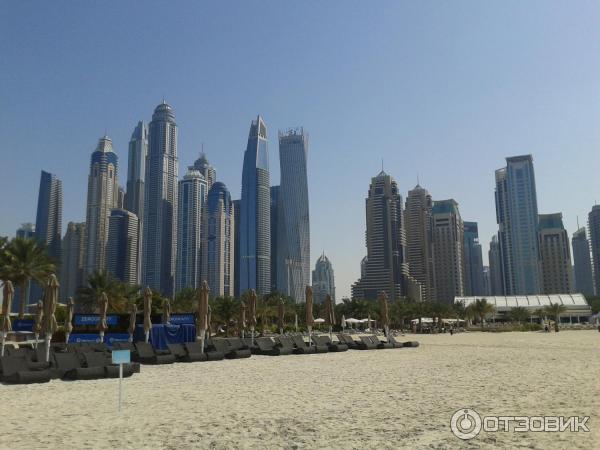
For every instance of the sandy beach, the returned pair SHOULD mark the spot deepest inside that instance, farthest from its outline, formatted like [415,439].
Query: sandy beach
[401,398]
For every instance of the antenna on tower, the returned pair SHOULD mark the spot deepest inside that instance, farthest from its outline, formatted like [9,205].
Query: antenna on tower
[382,164]
[418,182]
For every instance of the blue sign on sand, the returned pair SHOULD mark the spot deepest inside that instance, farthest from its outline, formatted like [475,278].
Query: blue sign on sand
[121,356]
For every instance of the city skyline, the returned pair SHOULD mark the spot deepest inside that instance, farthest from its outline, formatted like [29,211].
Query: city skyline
[412,112]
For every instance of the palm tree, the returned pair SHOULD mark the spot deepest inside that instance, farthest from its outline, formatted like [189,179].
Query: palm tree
[225,310]
[185,300]
[24,260]
[555,310]
[519,314]
[481,309]
[119,294]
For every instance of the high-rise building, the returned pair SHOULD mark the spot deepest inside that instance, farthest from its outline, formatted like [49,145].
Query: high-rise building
[584,278]
[293,238]
[123,246]
[48,222]
[495,260]
[448,251]
[160,202]
[208,172]
[517,217]
[73,261]
[136,170]
[486,281]
[419,247]
[26,231]
[555,255]
[276,229]
[473,260]
[255,227]
[594,236]
[323,281]
[103,191]
[192,198]
[218,241]
[385,267]
[236,247]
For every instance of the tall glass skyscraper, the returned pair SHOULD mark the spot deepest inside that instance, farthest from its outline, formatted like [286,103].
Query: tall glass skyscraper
[136,170]
[474,284]
[255,232]
[48,222]
[594,232]
[584,279]
[208,172]
[103,195]
[73,250]
[160,202]
[123,246]
[293,236]
[496,274]
[517,217]
[323,280]
[556,272]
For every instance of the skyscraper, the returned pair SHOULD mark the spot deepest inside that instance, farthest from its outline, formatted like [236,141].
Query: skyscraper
[73,262]
[323,281]
[474,284]
[495,259]
[208,172]
[255,227]
[192,197]
[555,255]
[160,202]
[236,247]
[517,217]
[385,267]
[276,229]
[594,231]
[26,231]
[419,247]
[48,222]
[486,281]
[218,241]
[448,251]
[136,170]
[584,279]
[293,238]
[103,191]
[123,246]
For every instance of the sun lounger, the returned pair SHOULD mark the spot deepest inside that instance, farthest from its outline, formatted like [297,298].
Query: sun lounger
[365,343]
[394,342]
[286,344]
[267,346]
[15,369]
[71,368]
[324,341]
[348,340]
[302,347]
[211,354]
[230,352]
[410,344]
[99,359]
[239,346]
[380,343]
[251,345]
[146,354]
[183,355]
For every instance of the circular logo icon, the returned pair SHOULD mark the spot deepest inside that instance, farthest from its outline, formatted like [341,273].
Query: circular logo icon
[465,424]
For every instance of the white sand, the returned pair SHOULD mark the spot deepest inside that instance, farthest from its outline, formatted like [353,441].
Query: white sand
[374,399]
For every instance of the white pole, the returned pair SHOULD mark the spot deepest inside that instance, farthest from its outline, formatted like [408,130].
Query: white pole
[37,336]
[330,333]
[202,337]
[147,333]
[309,334]
[101,337]
[67,335]
[120,384]
[130,337]
[252,339]
[48,339]
[3,339]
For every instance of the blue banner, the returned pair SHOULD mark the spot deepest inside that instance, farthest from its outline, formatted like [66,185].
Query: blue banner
[81,320]
[111,338]
[75,338]
[23,325]
[182,319]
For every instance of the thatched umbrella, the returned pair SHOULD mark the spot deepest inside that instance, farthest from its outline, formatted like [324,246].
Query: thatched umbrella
[252,312]
[281,316]
[132,319]
[49,324]
[9,292]
[103,307]
[384,313]
[147,312]
[242,323]
[208,323]
[69,319]
[202,313]
[39,317]
[166,312]
[329,314]
[310,321]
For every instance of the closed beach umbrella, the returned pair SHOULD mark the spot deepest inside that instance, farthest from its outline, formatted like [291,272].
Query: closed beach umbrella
[252,312]
[384,312]
[329,314]
[309,312]
[343,322]
[242,323]
[147,311]
[69,319]
[208,322]
[202,313]
[132,320]
[9,292]
[103,306]
[281,316]
[166,312]
[49,324]
[39,317]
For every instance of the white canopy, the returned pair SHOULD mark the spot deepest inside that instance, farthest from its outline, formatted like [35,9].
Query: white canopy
[319,320]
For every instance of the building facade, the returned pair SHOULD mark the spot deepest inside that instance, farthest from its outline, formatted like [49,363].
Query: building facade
[555,255]
[584,278]
[48,221]
[26,231]
[102,197]
[448,252]
[236,248]
[419,246]
[192,198]
[136,170]
[160,202]
[218,241]
[123,246]
[323,280]
[208,172]
[495,260]
[275,230]
[517,217]
[255,215]
[594,237]
[385,267]
[73,262]
[474,283]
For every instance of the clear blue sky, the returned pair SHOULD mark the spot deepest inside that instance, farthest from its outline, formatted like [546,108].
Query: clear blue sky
[442,89]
